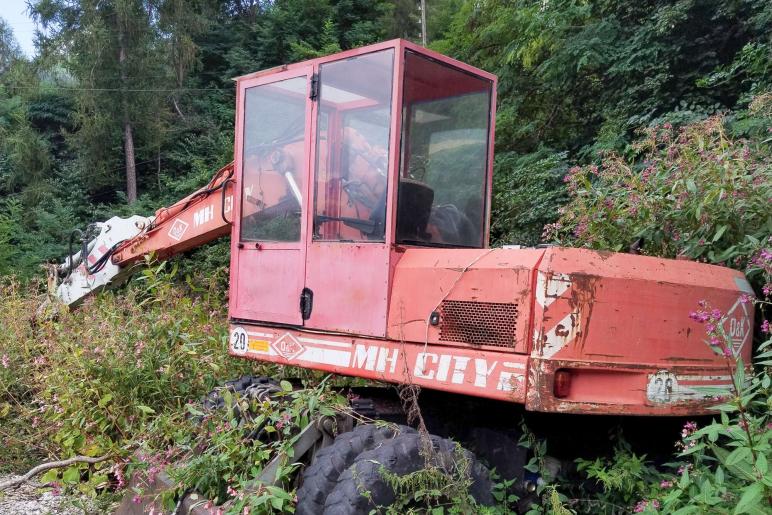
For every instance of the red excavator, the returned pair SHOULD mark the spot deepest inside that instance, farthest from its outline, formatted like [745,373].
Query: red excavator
[358,205]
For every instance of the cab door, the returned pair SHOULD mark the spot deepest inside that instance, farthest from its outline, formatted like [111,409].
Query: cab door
[273,145]
[347,258]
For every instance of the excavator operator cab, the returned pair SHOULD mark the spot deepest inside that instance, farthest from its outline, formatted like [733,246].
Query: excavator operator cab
[344,162]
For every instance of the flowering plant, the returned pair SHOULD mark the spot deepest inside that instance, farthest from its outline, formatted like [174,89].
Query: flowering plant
[693,192]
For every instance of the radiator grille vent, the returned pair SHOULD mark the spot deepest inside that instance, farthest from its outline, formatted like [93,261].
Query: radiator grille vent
[478,323]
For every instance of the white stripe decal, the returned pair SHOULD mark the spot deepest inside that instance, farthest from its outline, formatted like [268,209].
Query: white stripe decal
[263,335]
[511,364]
[704,378]
[326,356]
[326,342]
[550,290]
[568,328]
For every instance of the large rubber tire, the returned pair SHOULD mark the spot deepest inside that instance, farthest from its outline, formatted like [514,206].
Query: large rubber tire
[322,475]
[400,456]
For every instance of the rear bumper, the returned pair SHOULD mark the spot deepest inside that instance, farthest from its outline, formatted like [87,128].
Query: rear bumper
[626,389]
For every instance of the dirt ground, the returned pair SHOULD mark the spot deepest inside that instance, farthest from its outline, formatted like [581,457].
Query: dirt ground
[30,498]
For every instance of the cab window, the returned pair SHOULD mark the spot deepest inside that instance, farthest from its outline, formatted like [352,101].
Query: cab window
[444,161]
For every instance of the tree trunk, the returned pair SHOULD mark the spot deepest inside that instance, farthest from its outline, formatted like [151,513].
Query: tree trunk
[128,133]
[131,170]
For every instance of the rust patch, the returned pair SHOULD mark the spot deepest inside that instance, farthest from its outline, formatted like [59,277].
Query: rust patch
[676,359]
[582,301]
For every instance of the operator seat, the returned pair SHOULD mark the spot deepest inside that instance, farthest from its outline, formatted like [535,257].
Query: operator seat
[414,210]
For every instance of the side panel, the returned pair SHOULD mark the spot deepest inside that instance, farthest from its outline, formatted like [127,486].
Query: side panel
[482,297]
[350,285]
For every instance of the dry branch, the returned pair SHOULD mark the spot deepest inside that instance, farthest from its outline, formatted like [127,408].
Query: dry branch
[48,466]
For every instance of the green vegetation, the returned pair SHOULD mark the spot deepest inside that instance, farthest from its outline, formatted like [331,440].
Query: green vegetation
[642,125]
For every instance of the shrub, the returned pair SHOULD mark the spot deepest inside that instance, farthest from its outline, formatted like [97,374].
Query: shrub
[102,378]
[693,192]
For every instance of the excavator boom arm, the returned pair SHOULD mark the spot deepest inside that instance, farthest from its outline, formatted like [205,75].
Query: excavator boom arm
[195,220]
[109,249]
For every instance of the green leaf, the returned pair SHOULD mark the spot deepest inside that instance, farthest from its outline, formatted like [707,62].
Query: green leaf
[147,410]
[105,400]
[761,463]
[738,455]
[71,475]
[194,411]
[50,476]
[750,496]
[286,386]
[720,232]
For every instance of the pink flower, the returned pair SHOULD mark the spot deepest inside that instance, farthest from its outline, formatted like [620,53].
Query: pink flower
[136,499]
[765,327]
[246,511]
[580,229]
[5,361]
[665,484]
[285,419]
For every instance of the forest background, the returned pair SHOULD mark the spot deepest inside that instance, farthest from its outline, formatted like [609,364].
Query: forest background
[128,105]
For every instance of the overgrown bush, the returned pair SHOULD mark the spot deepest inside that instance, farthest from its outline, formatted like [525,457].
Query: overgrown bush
[693,192]
[100,379]
[221,453]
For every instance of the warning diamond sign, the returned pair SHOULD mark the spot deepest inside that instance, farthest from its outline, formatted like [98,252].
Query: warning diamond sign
[288,347]
[737,326]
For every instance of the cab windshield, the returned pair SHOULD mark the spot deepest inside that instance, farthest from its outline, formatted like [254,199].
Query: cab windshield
[444,162]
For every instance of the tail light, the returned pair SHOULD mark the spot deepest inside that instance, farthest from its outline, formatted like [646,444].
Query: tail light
[562,384]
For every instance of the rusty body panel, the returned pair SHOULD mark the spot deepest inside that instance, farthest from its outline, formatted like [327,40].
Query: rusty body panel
[619,323]
[482,296]
[469,371]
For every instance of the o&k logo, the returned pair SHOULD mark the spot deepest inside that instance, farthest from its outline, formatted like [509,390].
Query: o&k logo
[737,326]
[288,347]
[177,229]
